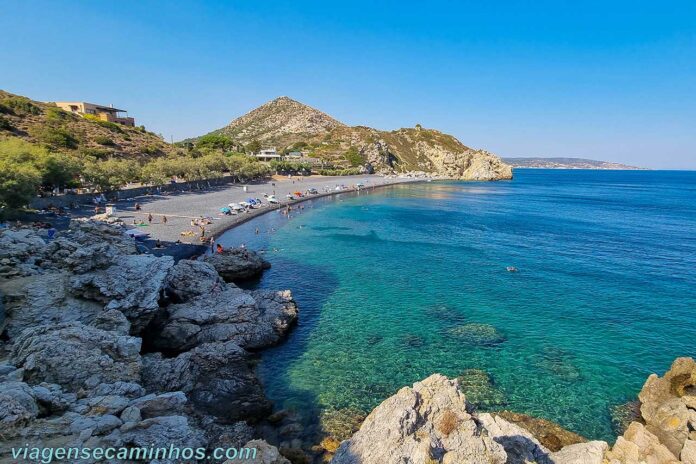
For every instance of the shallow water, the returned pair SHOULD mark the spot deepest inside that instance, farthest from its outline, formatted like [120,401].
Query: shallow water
[397,284]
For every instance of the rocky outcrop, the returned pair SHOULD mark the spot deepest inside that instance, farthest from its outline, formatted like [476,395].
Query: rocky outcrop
[133,285]
[80,309]
[252,320]
[217,377]
[426,423]
[236,264]
[76,356]
[432,422]
[189,279]
[46,300]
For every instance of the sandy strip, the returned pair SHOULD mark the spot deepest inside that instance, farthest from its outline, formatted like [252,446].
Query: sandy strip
[181,208]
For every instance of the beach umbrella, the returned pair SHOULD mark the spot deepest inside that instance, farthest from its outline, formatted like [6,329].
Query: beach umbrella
[225,210]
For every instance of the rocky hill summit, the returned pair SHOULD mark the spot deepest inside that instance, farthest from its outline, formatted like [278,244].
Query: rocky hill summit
[288,125]
[282,117]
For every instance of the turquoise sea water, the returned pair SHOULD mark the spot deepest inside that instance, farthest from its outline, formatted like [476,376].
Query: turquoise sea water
[387,282]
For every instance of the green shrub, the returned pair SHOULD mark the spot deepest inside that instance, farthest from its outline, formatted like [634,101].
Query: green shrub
[151,149]
[20,106]
[340,172]
[112,126]
[290,167]
[55,137]
[55,114]
[103,140]
[96,153]
[353,157]
[5,124]
[19,183]
[215,142]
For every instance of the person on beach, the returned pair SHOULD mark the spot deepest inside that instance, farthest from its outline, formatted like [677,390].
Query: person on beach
[149,218]
[138,207]
[220,249]
[164,220]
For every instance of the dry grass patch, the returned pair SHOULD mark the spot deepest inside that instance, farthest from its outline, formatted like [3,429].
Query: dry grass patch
[448,423]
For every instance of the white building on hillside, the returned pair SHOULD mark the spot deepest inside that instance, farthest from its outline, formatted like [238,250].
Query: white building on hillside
[268,154]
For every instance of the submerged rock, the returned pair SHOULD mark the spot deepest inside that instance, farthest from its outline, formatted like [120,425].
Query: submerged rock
[237,264]
[412,341]
[551,435]
[480,390]
[342,423]
[559,363]
[623,414]
[477,334]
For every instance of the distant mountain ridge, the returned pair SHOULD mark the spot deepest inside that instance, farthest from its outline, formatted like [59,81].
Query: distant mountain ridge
[566,163]
[287,124]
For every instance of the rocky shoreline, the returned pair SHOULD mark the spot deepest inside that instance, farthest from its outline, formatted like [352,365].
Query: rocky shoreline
[105,347]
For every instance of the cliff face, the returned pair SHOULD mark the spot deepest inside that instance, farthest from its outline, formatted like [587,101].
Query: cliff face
[433,423]
[287,124]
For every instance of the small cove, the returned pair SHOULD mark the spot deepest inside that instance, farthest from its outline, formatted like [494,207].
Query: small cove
[401,282]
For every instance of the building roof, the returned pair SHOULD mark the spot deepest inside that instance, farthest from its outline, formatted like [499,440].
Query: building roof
[99,107]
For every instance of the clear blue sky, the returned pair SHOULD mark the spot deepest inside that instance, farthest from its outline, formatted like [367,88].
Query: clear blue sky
[613,80]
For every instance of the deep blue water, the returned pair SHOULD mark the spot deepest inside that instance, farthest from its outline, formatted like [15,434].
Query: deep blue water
[388,282]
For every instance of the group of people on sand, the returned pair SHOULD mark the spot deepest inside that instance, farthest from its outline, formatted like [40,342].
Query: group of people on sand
[150,217]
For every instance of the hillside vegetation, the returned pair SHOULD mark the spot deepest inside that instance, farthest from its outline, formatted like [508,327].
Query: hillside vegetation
[289,125]
[43,148]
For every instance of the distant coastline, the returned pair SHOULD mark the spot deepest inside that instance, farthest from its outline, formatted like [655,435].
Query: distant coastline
[568,163]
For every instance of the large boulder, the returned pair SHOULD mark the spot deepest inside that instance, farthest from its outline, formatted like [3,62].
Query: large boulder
[18,404]
[216,377]
[251,319]
[260,452]
[189,279]
[638,445]
[520,446]
[238,264]
[20,252]
[44,300]
[76,356]
[426,423]
[134,286]
[665,404]
[591,452]
[174,434]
